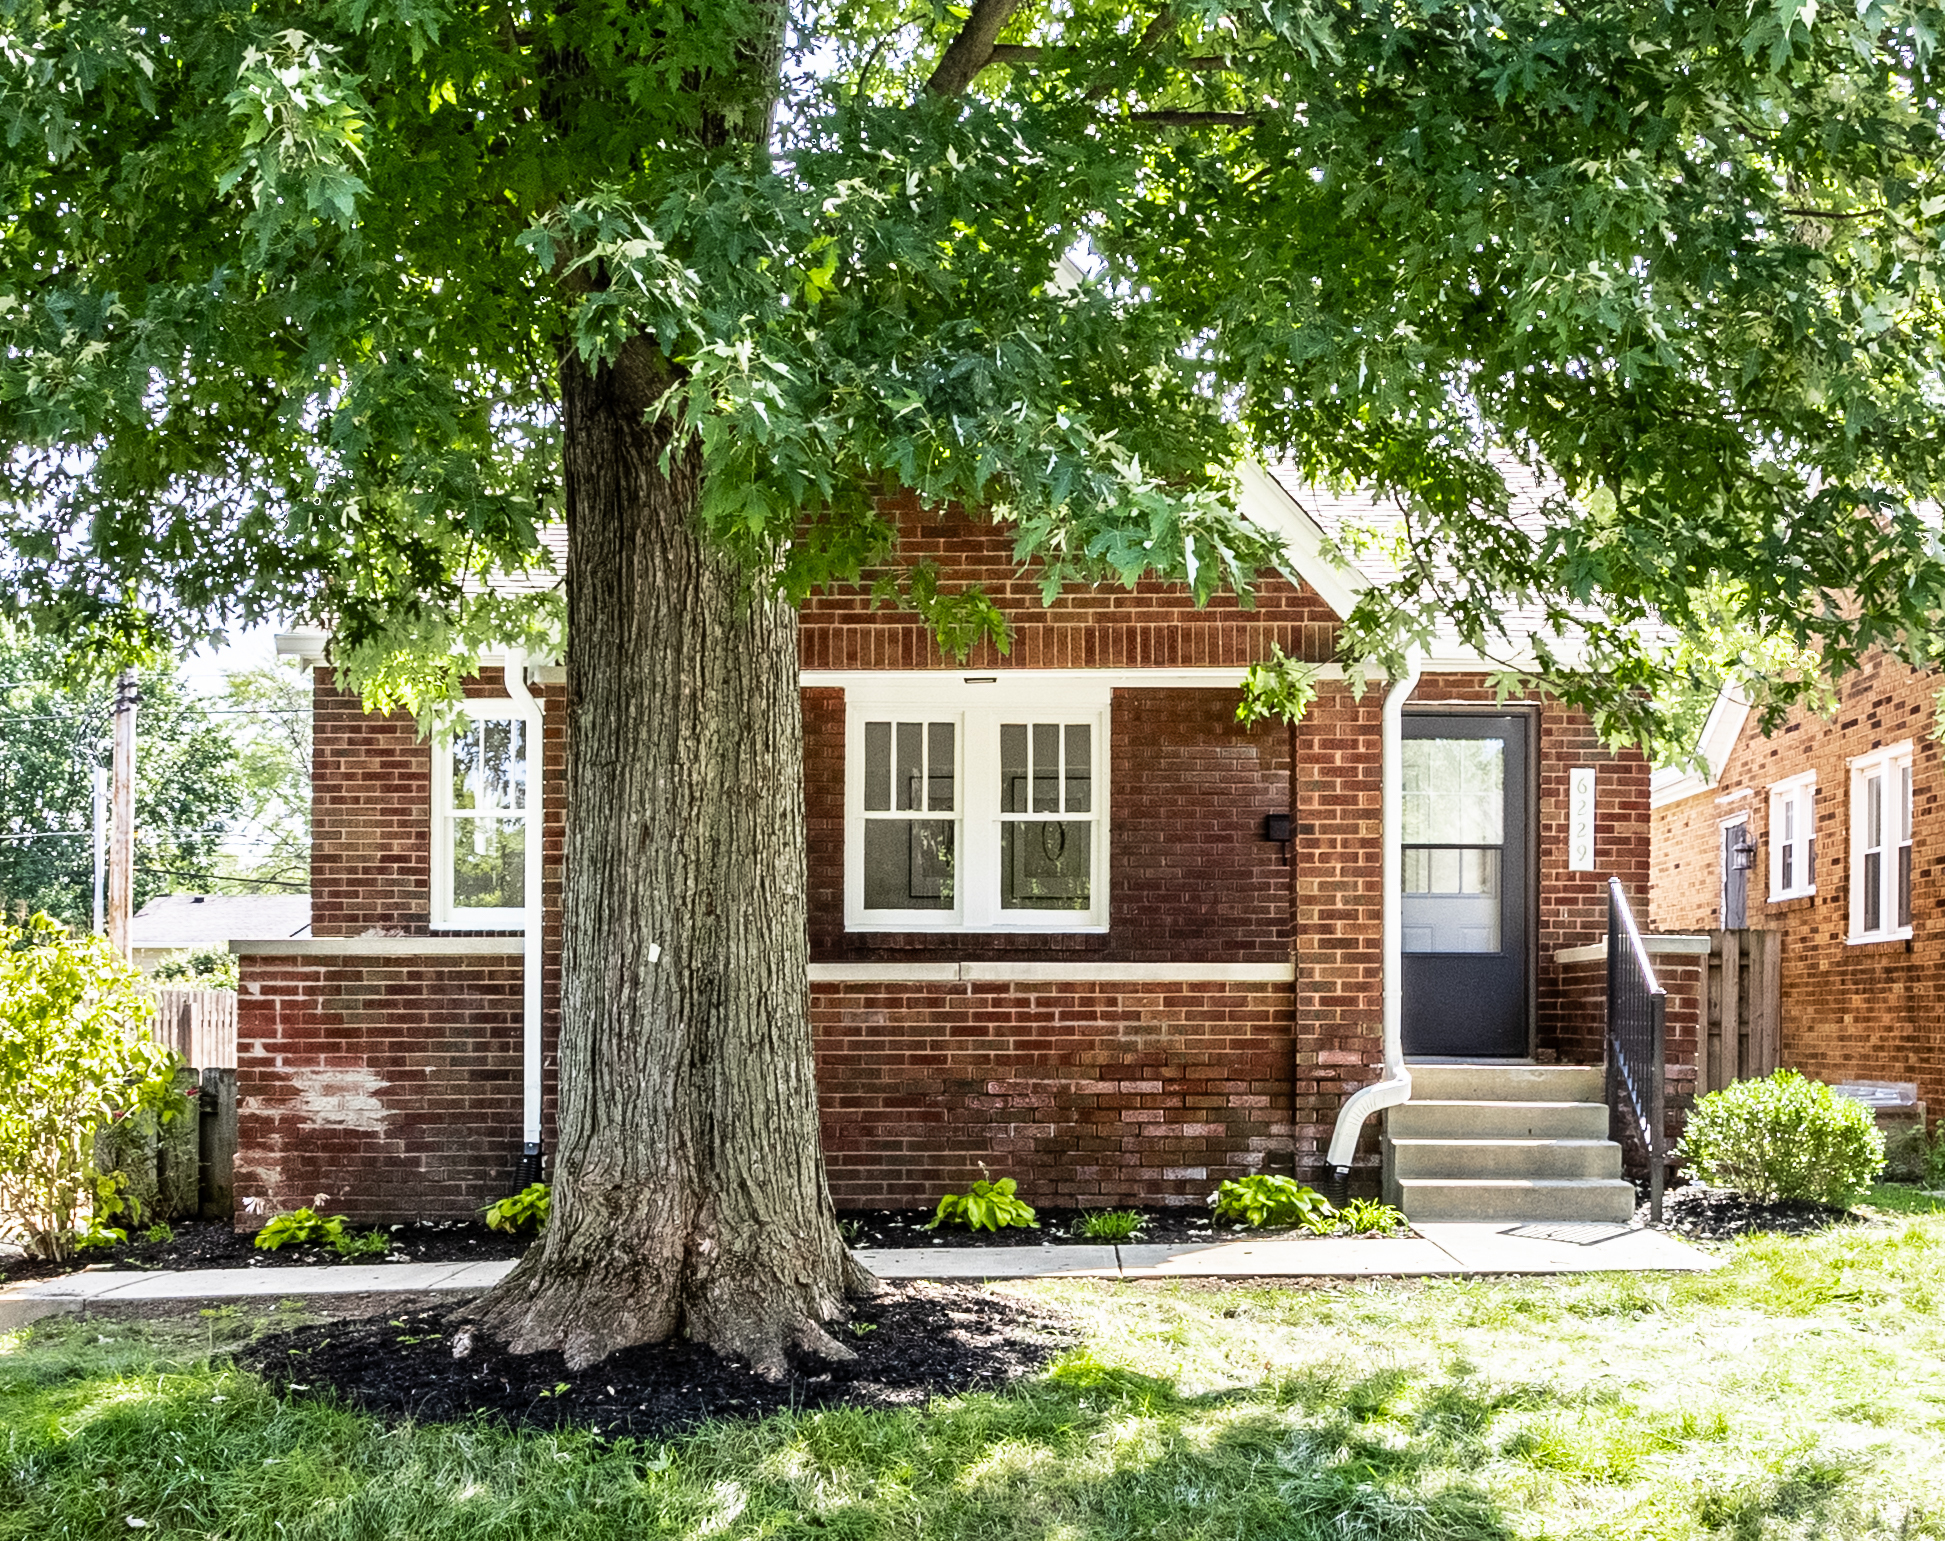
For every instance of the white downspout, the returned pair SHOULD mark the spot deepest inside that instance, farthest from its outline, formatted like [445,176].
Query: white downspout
[515,665]
[1395,1086]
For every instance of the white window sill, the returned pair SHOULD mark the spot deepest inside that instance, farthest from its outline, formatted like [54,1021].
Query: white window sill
[1793,893]
[488,920]
[866,928]
[1902,934]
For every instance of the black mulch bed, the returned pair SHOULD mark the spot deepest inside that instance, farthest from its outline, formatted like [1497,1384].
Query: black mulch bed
[214,1244]
[1058,1227]
[1715,1214]
[914,1341]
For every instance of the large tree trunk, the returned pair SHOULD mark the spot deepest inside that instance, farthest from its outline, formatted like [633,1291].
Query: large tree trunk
[688,1186]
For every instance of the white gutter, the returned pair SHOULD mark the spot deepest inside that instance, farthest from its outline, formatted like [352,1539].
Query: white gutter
[515,665]
[1395,1087]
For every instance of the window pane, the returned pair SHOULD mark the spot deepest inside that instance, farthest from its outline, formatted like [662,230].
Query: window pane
[908,864]
[1455,791]
[488,863]
[1873,812]
[1451,901]
[1874,891]
[1046,864]
[489,765]
[1046,767]
[1789,819]
[877,767]
[938,768]
[1789,869]
[1013,767]
[1904,885]
[1904,802]
[1080,767]
[908,770]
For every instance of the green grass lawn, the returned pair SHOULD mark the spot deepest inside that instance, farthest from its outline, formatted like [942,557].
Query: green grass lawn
[1800,1392]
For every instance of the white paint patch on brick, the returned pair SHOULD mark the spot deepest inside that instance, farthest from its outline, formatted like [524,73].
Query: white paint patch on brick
[340,1099]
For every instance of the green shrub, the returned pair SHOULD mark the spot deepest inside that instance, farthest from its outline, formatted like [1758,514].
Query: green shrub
[1259,1201]
[1111,1224]
[1784,1138]
[160,1233]
[529,1206]
[1368,1217]
[298,1227]
[986,1205]
[206,968]
[75,1059]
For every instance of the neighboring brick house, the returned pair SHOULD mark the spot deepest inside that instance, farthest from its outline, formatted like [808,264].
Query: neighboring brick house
[1829,832]
[1068,917]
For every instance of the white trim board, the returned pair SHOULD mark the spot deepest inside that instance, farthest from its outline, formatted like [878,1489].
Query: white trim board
[1596,952]
[381,946]
[1051,973]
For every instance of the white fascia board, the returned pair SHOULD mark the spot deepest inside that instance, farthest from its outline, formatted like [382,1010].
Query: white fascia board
[1264,503]
[1720,732]
[307,647]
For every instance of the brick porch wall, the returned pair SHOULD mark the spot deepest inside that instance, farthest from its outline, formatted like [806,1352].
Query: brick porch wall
[1088,1093]
[392,1084]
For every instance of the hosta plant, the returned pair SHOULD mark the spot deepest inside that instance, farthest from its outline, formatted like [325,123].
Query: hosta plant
[1272,1201]
[74,1059]
[1369,1217]
[1784,1137]
[517,1210]
[989,1206]
[298,1227]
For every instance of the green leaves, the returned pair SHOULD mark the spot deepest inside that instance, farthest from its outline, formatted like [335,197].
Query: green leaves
[985,1206]
[1784,1138]
[1266,1200]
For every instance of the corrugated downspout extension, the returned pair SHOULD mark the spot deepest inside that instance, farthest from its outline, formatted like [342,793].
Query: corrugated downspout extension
[515,667]
[1395,1086]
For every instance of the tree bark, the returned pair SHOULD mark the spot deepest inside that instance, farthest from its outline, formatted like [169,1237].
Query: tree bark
[689,1194]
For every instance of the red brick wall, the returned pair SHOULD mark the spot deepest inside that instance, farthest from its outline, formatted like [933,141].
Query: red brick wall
[1190,877]
[1155,625]
[390,1084]
[1869,1011]
[1087,1093]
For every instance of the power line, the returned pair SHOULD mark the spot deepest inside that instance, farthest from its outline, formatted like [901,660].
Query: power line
[222,877]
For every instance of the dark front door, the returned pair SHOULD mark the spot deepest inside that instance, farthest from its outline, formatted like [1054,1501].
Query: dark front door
[1467,846]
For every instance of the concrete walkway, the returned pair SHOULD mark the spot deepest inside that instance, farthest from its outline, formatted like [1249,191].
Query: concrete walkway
[1441,1250]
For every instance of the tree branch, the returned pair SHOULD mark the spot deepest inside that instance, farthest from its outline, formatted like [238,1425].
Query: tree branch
[1150,36]
[1193,119]
[970,52]
[1833,213]
[1031,53]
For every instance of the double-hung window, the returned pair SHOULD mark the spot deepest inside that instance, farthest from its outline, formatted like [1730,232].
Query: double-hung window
[976,807]
[484,798]
[1793,837]
[1880,843]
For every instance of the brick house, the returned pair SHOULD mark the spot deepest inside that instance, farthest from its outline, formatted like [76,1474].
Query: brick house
[1068,917]
[1826,832]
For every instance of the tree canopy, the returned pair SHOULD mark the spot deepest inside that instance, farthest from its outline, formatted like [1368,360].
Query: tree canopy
[284,288]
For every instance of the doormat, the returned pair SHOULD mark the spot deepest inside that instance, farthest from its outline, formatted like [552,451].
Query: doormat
[1579,1233]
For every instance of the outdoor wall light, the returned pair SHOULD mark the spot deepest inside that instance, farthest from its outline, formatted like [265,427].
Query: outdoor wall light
[1276,826]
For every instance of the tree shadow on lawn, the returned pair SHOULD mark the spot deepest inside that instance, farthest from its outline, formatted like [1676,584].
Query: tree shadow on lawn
[1088,1450]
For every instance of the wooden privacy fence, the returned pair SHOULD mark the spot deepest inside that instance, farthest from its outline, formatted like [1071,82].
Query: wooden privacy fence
[1742,1029]
[200,1025]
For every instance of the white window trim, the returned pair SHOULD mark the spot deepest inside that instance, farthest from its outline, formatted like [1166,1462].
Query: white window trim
[975,704]
[1885,761]
[1779,792]
[444,917]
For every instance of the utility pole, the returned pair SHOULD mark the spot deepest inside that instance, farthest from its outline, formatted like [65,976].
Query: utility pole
[121,852]
[101,845]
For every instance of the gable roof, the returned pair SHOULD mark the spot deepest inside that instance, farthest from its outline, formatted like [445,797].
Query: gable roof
[175,921]
[1720,731]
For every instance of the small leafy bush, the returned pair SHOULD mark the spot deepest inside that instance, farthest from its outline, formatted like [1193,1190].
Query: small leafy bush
[1111,1224]
[529,1206]
[1368,1217]
[1783,1138]
[205,968]
[371,1244]
[74,1060]
[298,1227]
[160,1233]
[1262,1200]
[987,1206]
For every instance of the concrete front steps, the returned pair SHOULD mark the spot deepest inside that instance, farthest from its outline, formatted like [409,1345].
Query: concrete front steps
[1505,1141]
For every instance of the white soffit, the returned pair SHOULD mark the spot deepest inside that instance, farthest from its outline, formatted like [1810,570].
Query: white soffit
[1720,731]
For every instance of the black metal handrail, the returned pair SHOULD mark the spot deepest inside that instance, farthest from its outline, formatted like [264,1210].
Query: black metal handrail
[1637,1041]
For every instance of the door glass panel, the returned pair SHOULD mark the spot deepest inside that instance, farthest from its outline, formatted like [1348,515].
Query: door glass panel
[1454,828]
